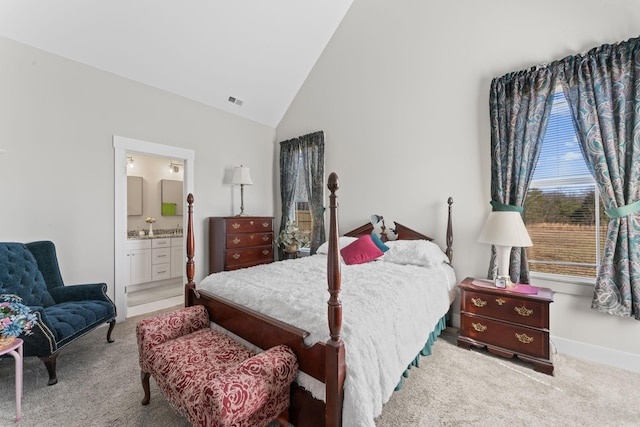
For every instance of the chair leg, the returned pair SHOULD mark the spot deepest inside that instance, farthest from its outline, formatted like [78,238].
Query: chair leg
[144,377]
[50,364]
[283,418]
[112,324]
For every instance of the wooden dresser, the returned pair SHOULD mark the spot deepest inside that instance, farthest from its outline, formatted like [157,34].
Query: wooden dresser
[240,241]
[506,322]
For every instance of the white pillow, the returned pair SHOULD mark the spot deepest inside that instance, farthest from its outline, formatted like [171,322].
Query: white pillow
[415,252]
[342,242]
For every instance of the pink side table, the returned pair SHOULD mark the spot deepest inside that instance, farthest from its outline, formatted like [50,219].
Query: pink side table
[15,350]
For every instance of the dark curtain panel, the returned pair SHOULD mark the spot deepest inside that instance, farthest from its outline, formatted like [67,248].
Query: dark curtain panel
[307,152]
[602,88]
[312,152]
[520,105]
[289,151]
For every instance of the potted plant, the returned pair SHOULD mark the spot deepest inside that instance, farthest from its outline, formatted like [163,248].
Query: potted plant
[15,319]
[291,238]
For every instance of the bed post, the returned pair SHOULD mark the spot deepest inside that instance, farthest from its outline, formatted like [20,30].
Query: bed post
[335,352]
[449,251]
[190,285]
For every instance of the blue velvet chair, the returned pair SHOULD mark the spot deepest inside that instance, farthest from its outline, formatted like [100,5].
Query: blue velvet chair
[64,313]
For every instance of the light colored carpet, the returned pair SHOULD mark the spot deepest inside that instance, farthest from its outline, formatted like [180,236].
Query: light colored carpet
[99,385]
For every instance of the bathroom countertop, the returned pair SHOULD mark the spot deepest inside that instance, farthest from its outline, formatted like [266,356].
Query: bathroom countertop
[155,236]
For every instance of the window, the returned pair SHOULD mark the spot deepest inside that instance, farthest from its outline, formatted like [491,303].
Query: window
[563,213]
[300,213]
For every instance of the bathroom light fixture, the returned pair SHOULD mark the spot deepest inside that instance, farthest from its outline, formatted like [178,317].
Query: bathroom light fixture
[175,167]
[242,177]
[130,162]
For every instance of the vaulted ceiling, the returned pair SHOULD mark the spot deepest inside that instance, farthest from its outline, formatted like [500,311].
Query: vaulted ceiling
[258,52]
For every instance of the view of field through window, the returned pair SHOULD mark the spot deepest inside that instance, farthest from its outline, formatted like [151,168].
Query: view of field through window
[563,213]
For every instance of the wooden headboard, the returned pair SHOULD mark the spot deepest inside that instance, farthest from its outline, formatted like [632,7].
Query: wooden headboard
[405,233]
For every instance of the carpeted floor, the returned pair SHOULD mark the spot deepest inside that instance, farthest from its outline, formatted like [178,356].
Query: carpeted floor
[99,385]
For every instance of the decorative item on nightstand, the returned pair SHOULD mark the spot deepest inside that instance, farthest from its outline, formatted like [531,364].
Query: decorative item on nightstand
[504,230]
[241,177]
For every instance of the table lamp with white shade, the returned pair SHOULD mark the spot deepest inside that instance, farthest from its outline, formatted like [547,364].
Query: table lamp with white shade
[241,177]
[505,230]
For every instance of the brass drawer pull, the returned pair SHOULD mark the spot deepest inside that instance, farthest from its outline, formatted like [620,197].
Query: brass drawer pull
[251,237]
[251,222]
[265,238]
[523,311]
[523,338]
[478,302]
[236,241]
[265,224]
[500,301]
[235,225]
[236,256]
[479,327]
[265,252]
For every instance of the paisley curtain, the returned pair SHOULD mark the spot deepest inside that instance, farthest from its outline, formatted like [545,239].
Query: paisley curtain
[602,88]
[289,152]
[306,151]
[312,153]
[519,107]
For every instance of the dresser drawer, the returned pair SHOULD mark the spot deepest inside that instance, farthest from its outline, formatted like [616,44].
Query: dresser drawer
[523,340]
[248,240]
[253,256]
[249,225]
[517,310]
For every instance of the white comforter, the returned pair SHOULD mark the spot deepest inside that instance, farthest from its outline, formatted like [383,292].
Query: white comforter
[388,312]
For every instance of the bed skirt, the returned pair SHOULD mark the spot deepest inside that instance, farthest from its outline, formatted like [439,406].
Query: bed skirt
[426,350]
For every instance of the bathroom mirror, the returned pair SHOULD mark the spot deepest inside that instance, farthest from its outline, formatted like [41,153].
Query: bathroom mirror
[134,195]
[172,197]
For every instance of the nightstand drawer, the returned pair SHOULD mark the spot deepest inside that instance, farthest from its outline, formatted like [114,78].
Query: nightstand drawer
[251,255]
[511,309]
[532,342]
[248,240]
[249,225]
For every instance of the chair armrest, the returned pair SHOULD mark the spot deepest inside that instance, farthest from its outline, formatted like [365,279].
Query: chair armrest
[159,329]
[90,291]
[240,391]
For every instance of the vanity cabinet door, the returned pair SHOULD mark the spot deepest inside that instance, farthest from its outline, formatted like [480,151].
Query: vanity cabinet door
[140,266]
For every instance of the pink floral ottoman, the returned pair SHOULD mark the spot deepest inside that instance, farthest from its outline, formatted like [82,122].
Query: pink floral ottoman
[209,378]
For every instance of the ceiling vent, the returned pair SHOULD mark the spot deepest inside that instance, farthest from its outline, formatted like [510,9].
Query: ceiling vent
[234,100]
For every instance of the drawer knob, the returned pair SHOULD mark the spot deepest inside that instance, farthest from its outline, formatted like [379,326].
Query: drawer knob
[265,224]
[235,225]
[251,237]
[478,302]
[265,252]
[524,338]
[523,311]
[265,238]
[500,301]
[251,222]
[479,327]
[236,241]
[236,256]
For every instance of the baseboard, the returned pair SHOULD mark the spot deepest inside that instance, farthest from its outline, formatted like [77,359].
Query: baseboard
[595,353]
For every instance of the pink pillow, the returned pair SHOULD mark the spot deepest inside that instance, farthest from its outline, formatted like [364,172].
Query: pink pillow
[361,251]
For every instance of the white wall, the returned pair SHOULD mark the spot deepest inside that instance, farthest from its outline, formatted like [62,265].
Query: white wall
[402,93]
[57,173]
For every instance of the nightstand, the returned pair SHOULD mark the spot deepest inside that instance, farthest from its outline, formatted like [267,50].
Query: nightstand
[507,323]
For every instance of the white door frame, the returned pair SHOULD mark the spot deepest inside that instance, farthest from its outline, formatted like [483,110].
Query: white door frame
[123,145]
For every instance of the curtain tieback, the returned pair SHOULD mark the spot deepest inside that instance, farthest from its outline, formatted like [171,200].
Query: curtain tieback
[623,210]
[501,207]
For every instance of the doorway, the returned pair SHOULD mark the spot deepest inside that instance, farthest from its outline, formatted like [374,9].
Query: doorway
[124,148]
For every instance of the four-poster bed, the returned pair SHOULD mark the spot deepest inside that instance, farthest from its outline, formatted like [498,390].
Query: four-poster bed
[322,362]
